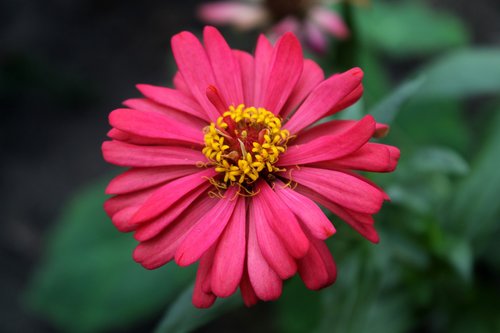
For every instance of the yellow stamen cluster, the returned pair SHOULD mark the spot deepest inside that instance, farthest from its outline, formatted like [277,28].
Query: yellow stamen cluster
[245,142]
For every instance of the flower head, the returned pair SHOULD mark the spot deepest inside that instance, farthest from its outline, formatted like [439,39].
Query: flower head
[311,20]
[228,168]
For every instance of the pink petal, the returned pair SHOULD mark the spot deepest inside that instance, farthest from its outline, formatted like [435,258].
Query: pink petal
[170,193]
[208,229]
[241,15]
[149,229]
[330,21]
[317,269]
[202,299]
[284,71]
[154,125]
[172,98]
[140,178]
[247,75]
[374,157]
[119,202]
[121,220]
[362,223]
[333,127]
[195,68]
[229,258]
[225,66]
[128,155]
[341,188]
[270,245]
[306,210]
[330,147]
[247,292]
[264,280]
[311,76]
[144,104]
[281,220]
[263,55]
[347,101]
[158,251]
[324,98]
[181,85]
[135,139]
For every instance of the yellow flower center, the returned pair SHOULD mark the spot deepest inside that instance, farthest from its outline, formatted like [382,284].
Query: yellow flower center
[245,143]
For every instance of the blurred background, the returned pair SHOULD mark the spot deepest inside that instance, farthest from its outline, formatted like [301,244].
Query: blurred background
[432,70]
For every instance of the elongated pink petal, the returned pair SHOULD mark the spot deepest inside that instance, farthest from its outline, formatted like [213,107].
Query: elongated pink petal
[140,178]
[284,71]
[281,220]
[208,229]
[362,223]
[181,85]
[229,257]
[330,21]
[154,125]
[263,56]
[119,202]
[169,194]
[135,139]
[247,292]
[374,157]
[341,188]
[121,219]
[202,299]
[247,67]
[241,15]
[225,66]
[324,98]
[330,128]
[158,251]
[174,99]
[264,280]
[306,210]
[368,181]
[128,155]
[151,228]
[270,245]
[330,147]
[144,104]
[311,76]
[348,100]
[317,269]
[196,69]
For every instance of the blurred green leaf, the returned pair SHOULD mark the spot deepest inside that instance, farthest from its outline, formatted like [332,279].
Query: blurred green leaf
[475,207]
[386,110]
[298,309]
[410,28]
[183,317]
[439,159]
[88,282]
[463,74]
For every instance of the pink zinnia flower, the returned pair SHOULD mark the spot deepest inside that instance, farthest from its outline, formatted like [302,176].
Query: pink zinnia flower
[311,20]
[227,166]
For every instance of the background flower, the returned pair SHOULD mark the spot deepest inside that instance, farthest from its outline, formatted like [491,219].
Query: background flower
[308,19]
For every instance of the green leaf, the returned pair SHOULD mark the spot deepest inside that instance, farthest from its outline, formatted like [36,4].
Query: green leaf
[182,316]
[439,159]
[463,74]
[475,207]
[386,110]
[410,29]
[298,309]
[88,282]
